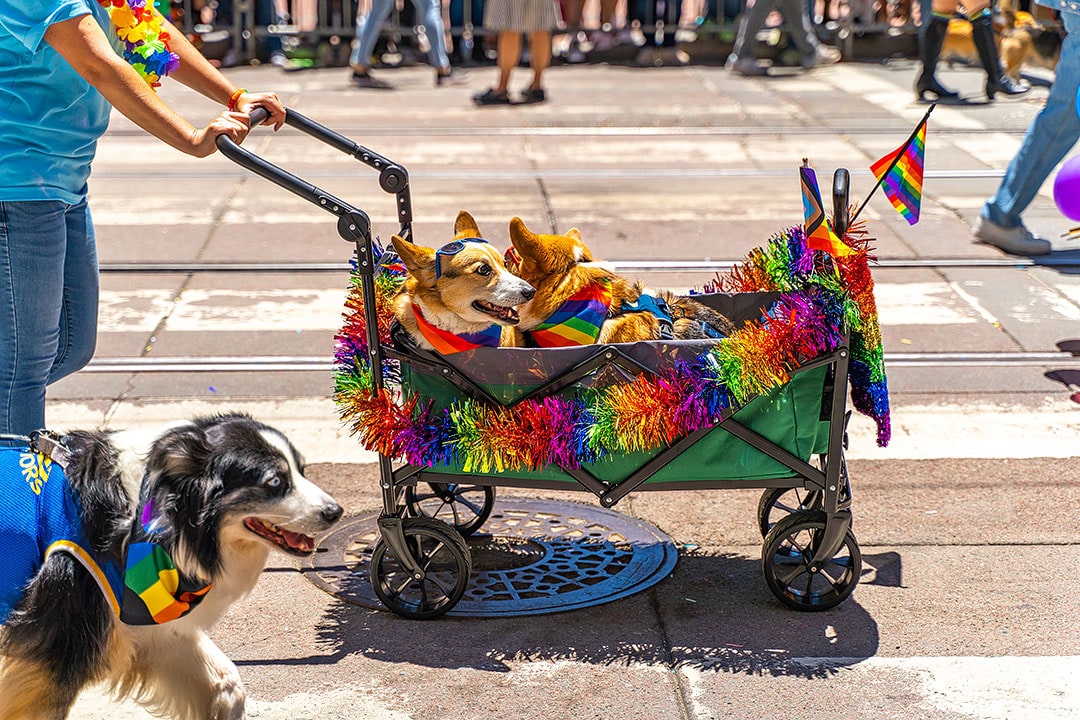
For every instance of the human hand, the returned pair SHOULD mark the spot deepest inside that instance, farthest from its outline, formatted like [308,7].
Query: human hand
[230,123]
[249,101]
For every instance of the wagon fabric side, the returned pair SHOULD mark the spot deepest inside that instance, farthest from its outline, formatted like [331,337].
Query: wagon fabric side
[790,416]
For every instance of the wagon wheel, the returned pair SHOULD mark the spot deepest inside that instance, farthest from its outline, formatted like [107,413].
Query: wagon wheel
[786,562]
[464,507]
[440,552]
[777,503]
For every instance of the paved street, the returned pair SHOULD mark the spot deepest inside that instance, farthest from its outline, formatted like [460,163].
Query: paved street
[967,522]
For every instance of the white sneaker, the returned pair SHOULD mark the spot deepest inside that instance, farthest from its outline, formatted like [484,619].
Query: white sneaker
[822,55]
[1015,241]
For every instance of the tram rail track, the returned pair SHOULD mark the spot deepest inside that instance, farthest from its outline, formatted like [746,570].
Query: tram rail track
[1059,260]
[315,363]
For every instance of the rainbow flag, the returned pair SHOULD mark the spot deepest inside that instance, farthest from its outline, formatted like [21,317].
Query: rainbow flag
[901,174]
[819,235]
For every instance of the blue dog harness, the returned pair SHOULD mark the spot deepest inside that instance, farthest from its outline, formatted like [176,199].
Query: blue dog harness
[658,307]
[39,516]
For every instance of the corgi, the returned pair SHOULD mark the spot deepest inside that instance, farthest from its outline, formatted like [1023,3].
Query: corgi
[580,302]
[460,296]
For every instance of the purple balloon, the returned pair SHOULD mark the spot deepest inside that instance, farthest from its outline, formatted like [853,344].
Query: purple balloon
[1067,188]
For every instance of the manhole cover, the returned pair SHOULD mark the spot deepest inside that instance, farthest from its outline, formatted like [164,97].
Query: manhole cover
[531,557]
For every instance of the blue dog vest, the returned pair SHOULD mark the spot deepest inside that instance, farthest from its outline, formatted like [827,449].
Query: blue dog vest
[40,515]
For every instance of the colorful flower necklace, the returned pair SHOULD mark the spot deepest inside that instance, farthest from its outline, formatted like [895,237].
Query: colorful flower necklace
[146,44]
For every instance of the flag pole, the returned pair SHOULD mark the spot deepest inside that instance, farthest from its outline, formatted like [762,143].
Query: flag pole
[899,154]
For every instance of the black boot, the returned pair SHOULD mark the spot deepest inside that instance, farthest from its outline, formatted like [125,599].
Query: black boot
[929,50]
[982,32]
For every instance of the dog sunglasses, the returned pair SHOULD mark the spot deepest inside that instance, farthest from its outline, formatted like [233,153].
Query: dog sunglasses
[451,249]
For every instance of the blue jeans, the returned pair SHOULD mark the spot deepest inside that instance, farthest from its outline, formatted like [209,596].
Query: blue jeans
[1053,132]
[48,304]
[368,27]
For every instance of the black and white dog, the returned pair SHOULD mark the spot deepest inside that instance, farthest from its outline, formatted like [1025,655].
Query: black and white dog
[158,542]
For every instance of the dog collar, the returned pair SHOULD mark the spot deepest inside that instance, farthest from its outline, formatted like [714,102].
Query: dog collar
[578,320]
[447,343]
[155,591]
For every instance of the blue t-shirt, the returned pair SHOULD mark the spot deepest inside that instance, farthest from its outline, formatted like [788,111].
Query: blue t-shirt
[50,118]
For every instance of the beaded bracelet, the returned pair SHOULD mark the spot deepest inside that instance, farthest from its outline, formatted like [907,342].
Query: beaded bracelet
[236,96]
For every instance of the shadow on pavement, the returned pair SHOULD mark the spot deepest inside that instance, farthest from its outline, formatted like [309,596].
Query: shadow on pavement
[714,613]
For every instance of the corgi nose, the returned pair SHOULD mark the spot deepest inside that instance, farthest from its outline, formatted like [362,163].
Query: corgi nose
[332,513]
[528,294]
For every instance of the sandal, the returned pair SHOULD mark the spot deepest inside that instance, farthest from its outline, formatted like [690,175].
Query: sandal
[531,96]
[490,97]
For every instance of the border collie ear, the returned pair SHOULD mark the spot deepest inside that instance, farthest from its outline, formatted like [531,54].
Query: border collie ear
[180,453]
[465,226]
[419,260]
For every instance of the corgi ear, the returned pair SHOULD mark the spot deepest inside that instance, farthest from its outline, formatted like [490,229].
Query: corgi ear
[574,233]
[465,226]
[527,243]
[419,260]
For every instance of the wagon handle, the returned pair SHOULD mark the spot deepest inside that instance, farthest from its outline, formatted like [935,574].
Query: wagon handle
[353,223]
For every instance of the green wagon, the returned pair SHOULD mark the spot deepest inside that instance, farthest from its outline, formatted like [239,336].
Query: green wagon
[788,439]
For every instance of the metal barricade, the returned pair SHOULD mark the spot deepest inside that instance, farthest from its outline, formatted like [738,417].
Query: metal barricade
[248,28]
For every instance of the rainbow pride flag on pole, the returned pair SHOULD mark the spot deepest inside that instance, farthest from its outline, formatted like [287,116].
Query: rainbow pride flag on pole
[900,173]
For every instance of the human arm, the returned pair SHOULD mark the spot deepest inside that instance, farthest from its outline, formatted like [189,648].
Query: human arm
[84,45]
[197,73]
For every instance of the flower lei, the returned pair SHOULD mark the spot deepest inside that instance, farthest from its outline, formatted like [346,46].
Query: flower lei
[819,295]
[146,43]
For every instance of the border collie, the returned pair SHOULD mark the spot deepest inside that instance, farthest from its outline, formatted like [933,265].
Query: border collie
[124,558]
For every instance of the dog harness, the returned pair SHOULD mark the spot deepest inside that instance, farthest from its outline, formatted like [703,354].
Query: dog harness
[649,303]
[41,515]
[447,343]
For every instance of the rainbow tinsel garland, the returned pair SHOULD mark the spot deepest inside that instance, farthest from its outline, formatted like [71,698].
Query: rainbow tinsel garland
[146,44]
[818,297]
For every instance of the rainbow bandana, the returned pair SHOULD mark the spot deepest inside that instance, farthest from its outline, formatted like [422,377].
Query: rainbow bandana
[154,590]
[447,343]
[579,319]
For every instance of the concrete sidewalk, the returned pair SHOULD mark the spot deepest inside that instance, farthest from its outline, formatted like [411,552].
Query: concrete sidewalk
[967,523]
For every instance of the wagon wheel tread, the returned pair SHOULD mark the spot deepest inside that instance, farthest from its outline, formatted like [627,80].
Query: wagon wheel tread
[423,607]
[785,557]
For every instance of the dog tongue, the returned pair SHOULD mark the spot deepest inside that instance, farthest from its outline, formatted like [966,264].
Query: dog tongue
[297,541]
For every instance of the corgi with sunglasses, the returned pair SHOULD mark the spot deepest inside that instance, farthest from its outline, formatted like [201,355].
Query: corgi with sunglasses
[460,296]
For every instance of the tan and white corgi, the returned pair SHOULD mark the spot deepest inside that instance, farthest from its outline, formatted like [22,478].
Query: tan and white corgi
[460,296]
